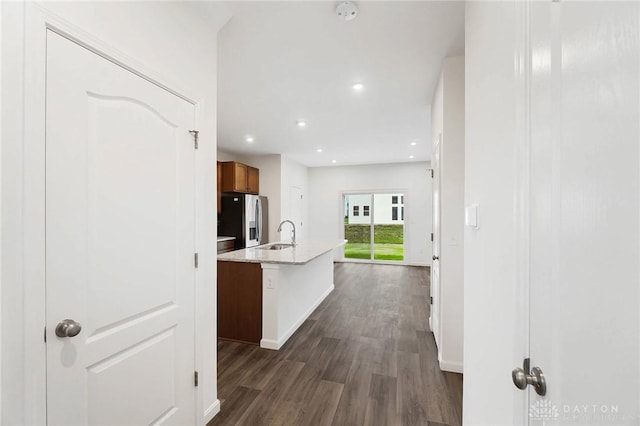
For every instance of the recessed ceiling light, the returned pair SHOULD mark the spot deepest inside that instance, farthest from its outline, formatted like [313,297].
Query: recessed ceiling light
[301,123]
[414,143]
[334,161]
[319,150]
[411,156]
[358,86]
[249,139]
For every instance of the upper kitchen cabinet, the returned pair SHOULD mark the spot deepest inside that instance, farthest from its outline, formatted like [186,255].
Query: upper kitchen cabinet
[238,177]
[253,180]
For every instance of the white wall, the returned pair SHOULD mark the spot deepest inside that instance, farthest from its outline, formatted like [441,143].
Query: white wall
[447,122]
[326,185]
[492,32]
[226,156]
[166,39]
[12,369]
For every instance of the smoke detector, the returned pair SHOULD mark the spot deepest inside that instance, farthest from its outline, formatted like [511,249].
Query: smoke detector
[346,10]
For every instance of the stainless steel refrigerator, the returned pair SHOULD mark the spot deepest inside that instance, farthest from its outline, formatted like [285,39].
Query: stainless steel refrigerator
[244,216]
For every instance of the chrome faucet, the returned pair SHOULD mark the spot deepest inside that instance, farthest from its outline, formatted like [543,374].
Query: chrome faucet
[293,226]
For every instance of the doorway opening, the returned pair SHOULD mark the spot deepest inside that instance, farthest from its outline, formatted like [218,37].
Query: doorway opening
[374,226]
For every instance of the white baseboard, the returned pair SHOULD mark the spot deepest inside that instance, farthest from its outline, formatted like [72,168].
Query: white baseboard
[454,367]
[211,412]
[276,345]
[269,344]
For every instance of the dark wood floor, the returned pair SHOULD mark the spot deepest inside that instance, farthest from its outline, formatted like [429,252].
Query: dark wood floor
[364,357]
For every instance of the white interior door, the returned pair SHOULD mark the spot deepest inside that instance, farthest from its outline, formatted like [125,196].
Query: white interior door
[120,239]
[585,211]
[435,265]
[296,211]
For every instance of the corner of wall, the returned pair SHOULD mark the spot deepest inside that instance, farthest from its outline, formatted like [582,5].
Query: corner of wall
[12,356]
[448,121]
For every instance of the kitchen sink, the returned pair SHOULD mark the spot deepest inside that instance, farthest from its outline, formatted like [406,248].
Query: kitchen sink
[277,246]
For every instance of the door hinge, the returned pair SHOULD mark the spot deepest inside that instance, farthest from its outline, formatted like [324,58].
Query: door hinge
[195,260]
[195,134]
[431,300]
[432,173]
[45,334]
[195,378]
[432,236]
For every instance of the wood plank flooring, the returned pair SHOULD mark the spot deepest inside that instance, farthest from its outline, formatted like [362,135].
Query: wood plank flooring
[364,357]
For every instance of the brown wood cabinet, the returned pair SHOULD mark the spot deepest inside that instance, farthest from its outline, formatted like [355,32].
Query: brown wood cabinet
[253,180]
[226,246]
[238,177]
[240,302]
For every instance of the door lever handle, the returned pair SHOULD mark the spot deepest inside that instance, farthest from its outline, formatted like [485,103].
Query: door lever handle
[522,377]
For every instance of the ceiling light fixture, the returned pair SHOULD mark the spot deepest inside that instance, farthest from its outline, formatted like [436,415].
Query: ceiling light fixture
[411,156]
[319,150]
[301,123]
[334,161]
[346,11]
[414,143]
[358,86]
[249,139]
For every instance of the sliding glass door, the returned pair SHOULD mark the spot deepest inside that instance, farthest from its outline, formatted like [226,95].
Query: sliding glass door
[388,227]
[374,226]
[357,226]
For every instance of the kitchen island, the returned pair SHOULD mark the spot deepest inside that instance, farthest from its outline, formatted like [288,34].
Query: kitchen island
[265,293]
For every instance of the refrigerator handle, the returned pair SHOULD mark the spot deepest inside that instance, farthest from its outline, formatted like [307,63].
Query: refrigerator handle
[258,220]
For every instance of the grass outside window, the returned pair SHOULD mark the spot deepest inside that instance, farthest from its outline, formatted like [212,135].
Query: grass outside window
[388,245]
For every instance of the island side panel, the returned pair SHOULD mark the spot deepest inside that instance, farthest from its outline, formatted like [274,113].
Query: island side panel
[290,294]
[270,298]
[240,302]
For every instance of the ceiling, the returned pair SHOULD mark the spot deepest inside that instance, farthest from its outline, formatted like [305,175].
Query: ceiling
[282,62]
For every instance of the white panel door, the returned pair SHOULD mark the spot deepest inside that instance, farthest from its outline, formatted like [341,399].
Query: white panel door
[435,265]
[585,211]
[296,211]
[120,239]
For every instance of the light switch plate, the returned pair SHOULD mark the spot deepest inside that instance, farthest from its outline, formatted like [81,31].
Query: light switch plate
[471,216]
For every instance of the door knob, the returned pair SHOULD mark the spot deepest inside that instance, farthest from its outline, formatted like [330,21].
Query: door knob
[435,257]
[68,328]
[522,377]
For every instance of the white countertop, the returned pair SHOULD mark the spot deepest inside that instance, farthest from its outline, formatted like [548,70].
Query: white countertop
[298,255]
